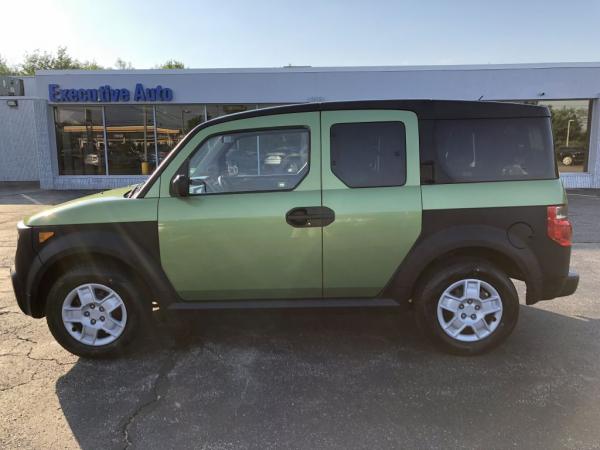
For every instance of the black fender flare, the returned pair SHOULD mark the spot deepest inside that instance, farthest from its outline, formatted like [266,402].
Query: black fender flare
[134,245]
[429,248]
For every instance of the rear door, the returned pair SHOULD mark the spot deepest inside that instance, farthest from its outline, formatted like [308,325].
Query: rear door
[371,180]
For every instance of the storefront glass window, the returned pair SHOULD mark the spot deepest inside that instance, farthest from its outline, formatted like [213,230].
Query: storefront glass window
[135,147]
[570,127]
[213,111]
[80,140]
[173,122]
[130,133]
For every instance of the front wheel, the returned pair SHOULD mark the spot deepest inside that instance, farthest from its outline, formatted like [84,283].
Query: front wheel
[91,311]
[467,306]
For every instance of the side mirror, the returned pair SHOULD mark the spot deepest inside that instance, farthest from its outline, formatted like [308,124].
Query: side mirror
[180,186]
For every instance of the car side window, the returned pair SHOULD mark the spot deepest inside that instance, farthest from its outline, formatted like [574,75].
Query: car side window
[480,150]
[369,154]
[250,161]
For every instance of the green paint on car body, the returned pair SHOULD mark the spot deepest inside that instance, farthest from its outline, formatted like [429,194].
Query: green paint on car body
[375,227]
[493,194]
[103,207]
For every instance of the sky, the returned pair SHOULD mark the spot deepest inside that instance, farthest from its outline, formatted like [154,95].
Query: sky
[257,33]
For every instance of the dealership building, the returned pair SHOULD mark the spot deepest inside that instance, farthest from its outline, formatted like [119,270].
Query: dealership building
[102,129]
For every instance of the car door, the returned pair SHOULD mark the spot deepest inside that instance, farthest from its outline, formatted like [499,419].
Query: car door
[371,180]
[245,230]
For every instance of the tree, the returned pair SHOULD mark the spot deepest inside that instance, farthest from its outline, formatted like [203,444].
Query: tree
[577,131]
[38,60]
[171,64]
[121,64]
[5,69]
[61,60]
[91,65]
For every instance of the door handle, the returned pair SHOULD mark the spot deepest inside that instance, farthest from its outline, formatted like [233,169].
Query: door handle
[310,216]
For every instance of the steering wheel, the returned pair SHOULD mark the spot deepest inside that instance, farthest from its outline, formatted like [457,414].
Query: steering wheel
[222,182]
[291,164]
[216,185]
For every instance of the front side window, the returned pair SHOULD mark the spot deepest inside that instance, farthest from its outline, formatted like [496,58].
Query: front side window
[251,161]
[479,150]
[369,154]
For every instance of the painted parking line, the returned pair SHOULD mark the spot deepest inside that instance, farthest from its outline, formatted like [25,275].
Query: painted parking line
[584,195]
[31,199]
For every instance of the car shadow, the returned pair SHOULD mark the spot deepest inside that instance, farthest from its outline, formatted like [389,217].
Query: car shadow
[334,379]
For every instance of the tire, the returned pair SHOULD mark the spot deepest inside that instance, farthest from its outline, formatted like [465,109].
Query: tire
[71,298]
[567,160]
[477,326]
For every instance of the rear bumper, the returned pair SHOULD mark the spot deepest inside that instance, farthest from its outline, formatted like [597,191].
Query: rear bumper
[570,284]
[560,286]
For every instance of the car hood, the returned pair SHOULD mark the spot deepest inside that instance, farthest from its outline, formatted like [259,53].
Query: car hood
[103,207]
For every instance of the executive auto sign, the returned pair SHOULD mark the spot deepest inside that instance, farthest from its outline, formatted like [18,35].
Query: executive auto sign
[107,94]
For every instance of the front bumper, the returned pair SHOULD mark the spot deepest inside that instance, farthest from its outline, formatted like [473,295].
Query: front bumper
[20,294]
[25,260]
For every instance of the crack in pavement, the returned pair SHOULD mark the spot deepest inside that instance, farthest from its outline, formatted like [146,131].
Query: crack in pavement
[55,360]
[24,339]
[154,395]
[31,379]
[32,358]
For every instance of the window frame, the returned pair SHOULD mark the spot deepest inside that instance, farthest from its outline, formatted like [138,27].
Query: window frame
[184,167]
[370,122]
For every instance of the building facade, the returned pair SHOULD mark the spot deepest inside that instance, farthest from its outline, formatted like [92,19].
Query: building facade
[103,129]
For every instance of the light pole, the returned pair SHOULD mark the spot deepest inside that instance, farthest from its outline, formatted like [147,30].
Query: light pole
[183,111]
[569,130]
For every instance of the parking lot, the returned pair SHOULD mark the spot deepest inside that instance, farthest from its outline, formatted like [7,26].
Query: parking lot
[306,379]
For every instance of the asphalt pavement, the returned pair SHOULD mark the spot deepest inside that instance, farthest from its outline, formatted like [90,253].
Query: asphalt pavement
[306,379]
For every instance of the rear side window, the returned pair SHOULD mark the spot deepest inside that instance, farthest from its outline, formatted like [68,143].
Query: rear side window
[493,150]
[369,154]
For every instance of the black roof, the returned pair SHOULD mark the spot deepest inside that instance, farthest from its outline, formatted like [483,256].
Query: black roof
[424,109]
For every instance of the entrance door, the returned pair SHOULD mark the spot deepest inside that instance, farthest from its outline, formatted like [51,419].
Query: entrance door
[371,180]
[245,230]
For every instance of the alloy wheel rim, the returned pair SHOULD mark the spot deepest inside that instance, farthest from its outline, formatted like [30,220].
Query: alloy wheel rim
[94,314]
[469,310]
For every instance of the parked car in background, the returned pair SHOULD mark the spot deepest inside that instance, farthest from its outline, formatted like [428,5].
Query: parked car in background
[569,156]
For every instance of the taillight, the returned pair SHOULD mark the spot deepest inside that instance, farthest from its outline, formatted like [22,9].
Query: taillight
[559,227]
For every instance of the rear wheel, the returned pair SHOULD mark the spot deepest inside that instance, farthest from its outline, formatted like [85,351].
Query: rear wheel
[91,311]
[467,306]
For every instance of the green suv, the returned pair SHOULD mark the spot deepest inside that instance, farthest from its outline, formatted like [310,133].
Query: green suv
[375,203]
